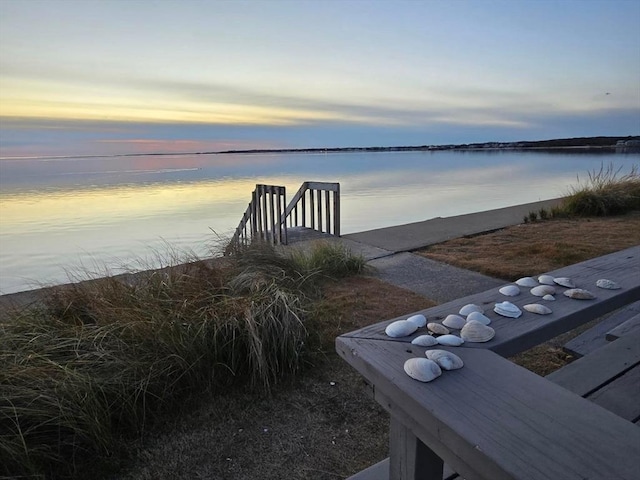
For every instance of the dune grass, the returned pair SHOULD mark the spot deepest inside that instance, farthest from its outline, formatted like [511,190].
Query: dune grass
[99,360]
[607,191]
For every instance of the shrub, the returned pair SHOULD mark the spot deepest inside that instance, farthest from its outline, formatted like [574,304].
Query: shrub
[102,359]
[558,212]
[544,215]
[606,192]
[330,259]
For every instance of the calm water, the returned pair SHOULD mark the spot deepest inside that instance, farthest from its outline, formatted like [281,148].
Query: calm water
[110,214]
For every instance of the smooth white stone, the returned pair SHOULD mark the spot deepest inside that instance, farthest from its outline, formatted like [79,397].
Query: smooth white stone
[469,308]
[425,341]
[418,320]
[564,282]
[454,321]
[527,282]
[450,340]
[542,290]
[537,308]
[510,290]
[400,328]
[546,280]
[478,317]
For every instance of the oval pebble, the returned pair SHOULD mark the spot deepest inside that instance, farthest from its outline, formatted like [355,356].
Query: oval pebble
[418,320]
[425,341]
[400,328]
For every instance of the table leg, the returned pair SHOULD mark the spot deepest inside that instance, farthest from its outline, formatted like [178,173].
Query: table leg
[410,459]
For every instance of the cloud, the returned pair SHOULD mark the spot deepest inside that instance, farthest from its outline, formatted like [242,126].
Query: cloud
[86,95]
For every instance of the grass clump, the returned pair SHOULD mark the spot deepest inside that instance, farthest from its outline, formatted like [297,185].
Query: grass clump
[606,192]
[331,259]
[101,360]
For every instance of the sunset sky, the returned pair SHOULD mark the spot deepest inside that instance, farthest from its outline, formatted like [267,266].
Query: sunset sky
[126,76]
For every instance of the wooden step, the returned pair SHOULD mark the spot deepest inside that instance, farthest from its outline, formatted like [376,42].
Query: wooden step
[596,337]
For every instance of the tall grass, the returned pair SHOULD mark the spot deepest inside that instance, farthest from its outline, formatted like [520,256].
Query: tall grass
[102,359]
[331,259]
[606,192]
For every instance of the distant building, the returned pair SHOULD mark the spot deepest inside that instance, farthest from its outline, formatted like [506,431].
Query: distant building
[627,146]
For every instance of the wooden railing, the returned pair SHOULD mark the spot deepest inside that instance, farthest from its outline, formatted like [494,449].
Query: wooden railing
[311,209]
[263,218]
[266,217]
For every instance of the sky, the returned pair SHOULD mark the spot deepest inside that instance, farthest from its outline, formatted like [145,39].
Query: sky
[105,77]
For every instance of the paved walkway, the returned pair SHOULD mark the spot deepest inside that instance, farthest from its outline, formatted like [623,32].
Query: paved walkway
[413,236]
[388,250]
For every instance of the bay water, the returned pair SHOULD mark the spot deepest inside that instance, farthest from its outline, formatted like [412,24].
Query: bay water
[65,217]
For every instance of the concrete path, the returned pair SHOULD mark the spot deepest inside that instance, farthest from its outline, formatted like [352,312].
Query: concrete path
[413,236]
[435,280]
[387,250]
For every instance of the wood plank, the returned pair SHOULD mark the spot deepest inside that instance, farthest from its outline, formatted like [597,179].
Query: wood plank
[621,396]
[514,336]
[380,471]
[596,337]
[410,459]
[589,373]
[495,420]
[631,325]
[323,186]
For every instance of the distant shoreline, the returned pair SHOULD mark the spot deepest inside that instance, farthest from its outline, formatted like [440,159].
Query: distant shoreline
[622,144]
[582,143]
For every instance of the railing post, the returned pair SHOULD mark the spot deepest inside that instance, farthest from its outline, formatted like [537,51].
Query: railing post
[336,211]
[319,197]
[257,217]
[282,223]
[312,210]
[263,208]
[327,210]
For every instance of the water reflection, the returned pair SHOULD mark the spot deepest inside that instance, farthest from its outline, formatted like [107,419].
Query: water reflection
[61,212]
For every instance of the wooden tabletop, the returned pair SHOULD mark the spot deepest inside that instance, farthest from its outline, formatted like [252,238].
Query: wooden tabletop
[494,420]
[516,335]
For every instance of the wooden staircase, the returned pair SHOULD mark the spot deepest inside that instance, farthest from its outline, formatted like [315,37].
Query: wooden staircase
[315,206]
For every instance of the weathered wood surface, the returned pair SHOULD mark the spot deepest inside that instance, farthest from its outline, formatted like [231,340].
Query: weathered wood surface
[589,373]
[609,377]
[596,337]
[297,213]
[410,459]
[631,325]
[621,396]
[516,335]
[495,420]
[380,471]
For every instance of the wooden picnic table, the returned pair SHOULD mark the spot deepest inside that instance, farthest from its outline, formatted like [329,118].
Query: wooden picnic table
[493,419]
